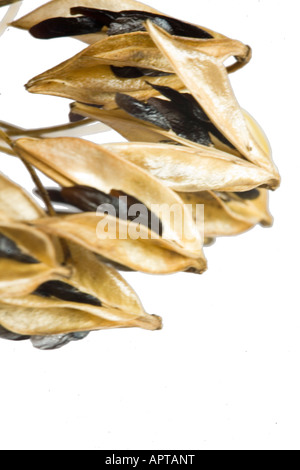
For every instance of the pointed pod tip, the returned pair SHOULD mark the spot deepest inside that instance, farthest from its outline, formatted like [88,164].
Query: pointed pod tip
[149,322]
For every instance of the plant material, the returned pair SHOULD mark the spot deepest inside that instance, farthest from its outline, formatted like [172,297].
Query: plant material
[127,63]
[163,85]
[72,162]
[40,295]
[61,8]
[14,6]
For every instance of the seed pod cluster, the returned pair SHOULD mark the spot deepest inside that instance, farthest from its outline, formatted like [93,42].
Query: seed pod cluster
[162,85]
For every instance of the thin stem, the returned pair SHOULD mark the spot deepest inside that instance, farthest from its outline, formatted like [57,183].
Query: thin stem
[15,131]
[43,193]
[10,16]
[7,151]
[45,196]
[32,172]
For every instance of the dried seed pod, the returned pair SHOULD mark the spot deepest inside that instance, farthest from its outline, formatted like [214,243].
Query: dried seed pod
[97,19]
[74,161]
[129,63]
[40,296]
[15,203]
[62,8]
[227,214]
[94,297]
[189,170]
[206,78]
[148,253]
[28,257]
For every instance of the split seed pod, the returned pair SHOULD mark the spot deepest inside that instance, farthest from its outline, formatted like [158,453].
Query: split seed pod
[62,9]
[129,63]
[73,162]
[104,17]
[41,296]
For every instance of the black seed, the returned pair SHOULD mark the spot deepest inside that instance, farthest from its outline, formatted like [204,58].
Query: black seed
[185,101]
[137,72]
[181,123]
[131,21]
[64,27]
[126,72]
[63,291]
[5,334]
[74,117]
[88,199]
[9,250]
[93,20]
[249,195]
[191,108]
[85,198]
[47,343]
[143,111]
[182,114]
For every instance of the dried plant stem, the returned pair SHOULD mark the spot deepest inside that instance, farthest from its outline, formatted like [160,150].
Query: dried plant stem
[7,151]
[77,129]
[10,16]
[34,176]
[43,193]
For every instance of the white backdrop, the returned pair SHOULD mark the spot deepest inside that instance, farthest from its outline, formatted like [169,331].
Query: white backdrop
[224,371]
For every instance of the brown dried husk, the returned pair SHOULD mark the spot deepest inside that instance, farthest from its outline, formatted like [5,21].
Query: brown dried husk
[25,313]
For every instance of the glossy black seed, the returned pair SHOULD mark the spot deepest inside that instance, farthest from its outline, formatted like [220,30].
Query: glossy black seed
[131,21]
[63,291]
[249,195]
[93,20]
[137,72]
[47,343]
[189,129]
[143,111]
[167,115]
[63,27]
[5,334]
[185,101]
[192,109]
[9,250]
[182,114]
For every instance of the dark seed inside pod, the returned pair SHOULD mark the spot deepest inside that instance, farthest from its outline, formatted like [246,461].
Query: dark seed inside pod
[10,250]
[144,111]
[190,130]
[94,20]
[191,109]
[166,115]
[74,117]
[63,27]
[181,113]
[137,72]
[47,343]
[63,291]
[9,335]
[249,195]
[88,199]
[133,20]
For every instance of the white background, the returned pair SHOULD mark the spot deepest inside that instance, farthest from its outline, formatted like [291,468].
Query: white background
[224,371]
